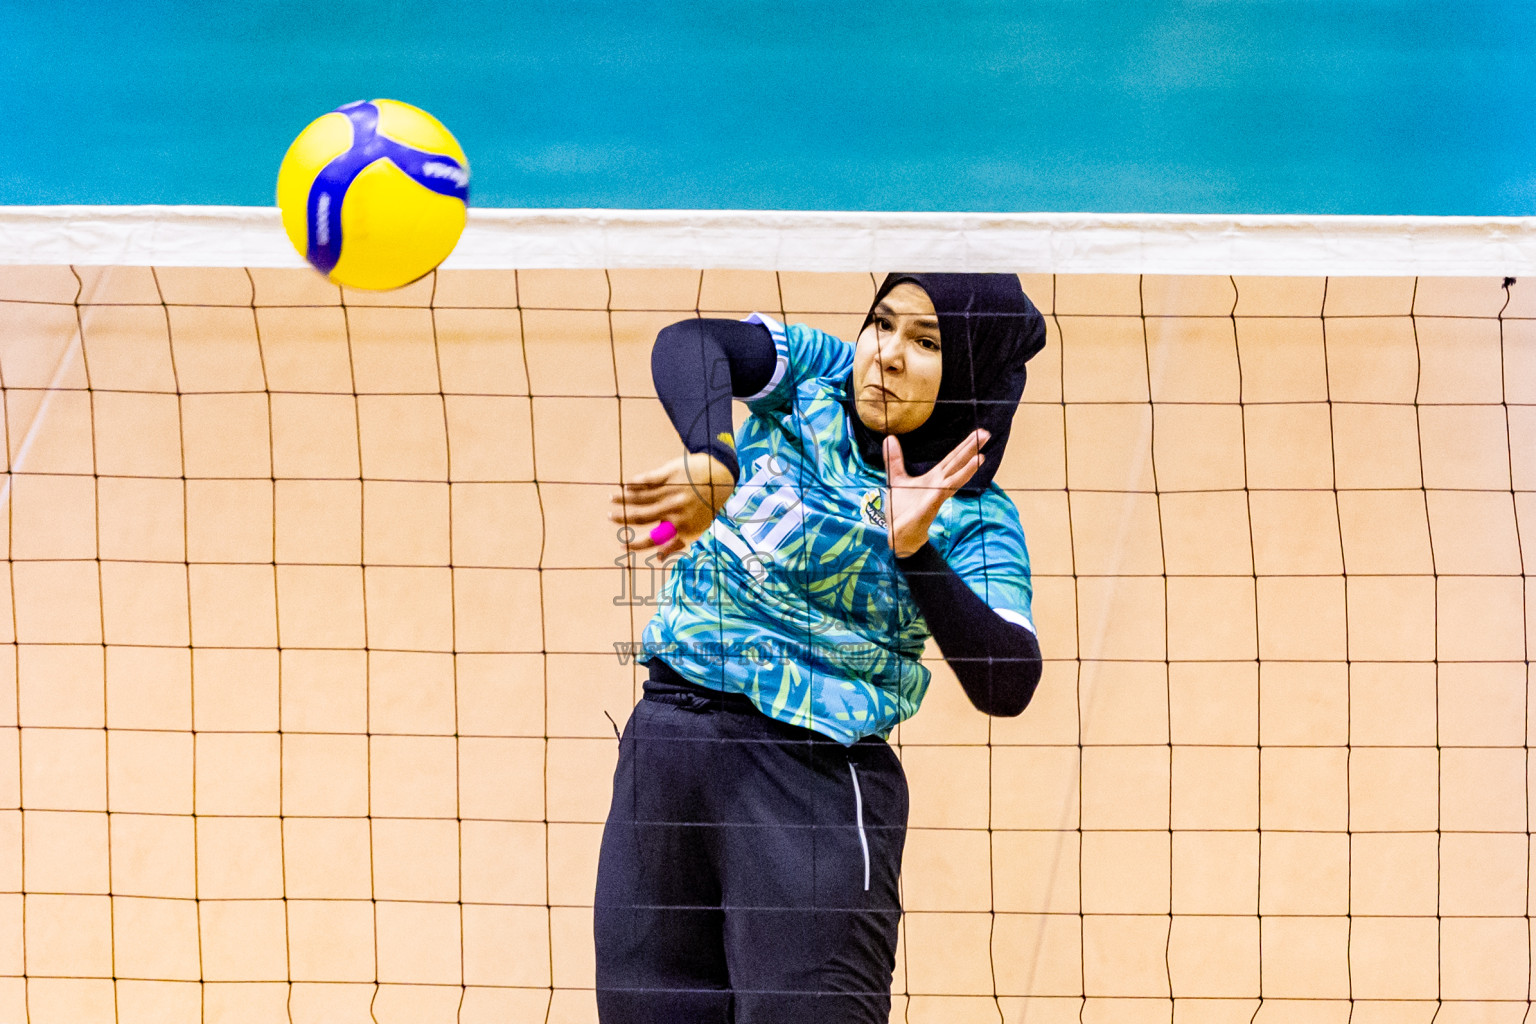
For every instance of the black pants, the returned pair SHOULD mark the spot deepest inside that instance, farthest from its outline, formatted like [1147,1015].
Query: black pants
[749,869]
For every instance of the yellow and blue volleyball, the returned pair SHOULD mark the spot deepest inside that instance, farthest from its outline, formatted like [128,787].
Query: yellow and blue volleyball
[374,194]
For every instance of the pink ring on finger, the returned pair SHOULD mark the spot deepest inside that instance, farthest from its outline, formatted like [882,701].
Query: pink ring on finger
[663,532]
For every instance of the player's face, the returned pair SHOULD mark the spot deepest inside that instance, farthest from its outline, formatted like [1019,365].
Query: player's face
[896,363]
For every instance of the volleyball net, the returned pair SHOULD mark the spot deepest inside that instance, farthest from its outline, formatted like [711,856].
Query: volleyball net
[318,633]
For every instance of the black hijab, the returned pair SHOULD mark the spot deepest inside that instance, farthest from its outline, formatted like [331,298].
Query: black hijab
[988,328]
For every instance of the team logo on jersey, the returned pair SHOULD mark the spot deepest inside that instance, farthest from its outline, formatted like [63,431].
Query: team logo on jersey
[872,508]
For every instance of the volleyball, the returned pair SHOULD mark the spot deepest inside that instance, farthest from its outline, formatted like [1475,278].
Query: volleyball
[374,194]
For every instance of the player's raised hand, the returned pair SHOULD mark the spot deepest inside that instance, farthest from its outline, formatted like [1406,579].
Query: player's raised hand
[916,500]
[687,492]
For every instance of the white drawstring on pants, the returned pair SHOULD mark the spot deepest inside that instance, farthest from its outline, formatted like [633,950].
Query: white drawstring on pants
[858,814]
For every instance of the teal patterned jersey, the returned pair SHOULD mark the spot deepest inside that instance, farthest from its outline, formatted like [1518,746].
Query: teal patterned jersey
[793,596]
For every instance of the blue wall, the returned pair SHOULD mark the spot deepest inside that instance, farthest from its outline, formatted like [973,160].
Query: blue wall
[1285,106]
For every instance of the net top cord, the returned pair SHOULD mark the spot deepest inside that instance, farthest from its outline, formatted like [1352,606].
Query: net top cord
[870,242]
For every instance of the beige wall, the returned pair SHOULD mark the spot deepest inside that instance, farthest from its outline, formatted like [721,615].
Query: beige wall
[311,612]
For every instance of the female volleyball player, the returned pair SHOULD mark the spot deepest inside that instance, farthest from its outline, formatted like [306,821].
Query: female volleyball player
[750,859]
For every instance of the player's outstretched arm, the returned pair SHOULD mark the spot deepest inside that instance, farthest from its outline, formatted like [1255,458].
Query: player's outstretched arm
[997,662]
[697,366]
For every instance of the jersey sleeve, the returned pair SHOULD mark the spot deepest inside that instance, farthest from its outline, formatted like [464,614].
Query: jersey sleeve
[801,353]
[988,552]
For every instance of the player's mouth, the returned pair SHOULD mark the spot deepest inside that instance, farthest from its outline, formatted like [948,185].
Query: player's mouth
[882,392]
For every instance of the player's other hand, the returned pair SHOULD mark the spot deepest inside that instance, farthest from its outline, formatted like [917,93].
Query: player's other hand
[687,491]
[916,500]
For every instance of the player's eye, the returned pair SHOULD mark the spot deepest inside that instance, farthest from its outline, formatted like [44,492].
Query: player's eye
[884,323]
[932,344]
